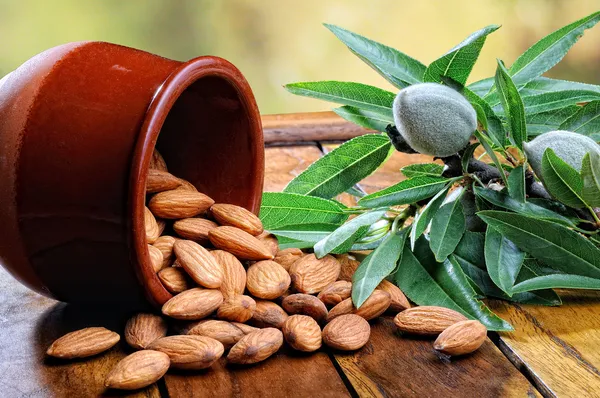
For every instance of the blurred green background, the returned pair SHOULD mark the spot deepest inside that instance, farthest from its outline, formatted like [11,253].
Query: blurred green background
[275,42]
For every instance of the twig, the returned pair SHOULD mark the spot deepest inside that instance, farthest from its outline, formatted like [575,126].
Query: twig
[397,140]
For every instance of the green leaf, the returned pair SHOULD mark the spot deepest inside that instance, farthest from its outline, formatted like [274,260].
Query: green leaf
[405,192]
[557,281]
[482,87]
[562,181]
[503,260]
[554,244]
[423,218]
[458,62]
[586,121]
[342,239]
[427,282]
[512,104]
[343,167]
[347,93]
[422,169]
[547,52]
[467,155]
[543,122]
[376,266]
[307,233]
[279,209]
[530,209]
[364,118]
[553,101]
[516,183]
[590,174]
[541,85]
[494,127]
[395,66]
[447,227]
[354,191]
[471,248]
[483,140]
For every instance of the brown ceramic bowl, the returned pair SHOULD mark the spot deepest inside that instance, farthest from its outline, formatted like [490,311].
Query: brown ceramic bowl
[78,125]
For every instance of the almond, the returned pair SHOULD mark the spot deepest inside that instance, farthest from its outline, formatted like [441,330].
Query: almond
[138,370]
[256,346]
[377,303]
[461,338]
[195,229]
[270,241]
[239,243]
[193,304]
[152,230]
[245,328]
[302,333]
[238,308]
[427,320]
[200,265]
[159,181]
[188,186]
[268,314]
[162,224]
[335,292]
[175,279]
[305,304]
[399,301]
[348,266]
[287,257]
[267,279]
[83,343]
[157,162]
[142,329]
[234,273]
[165,245]
[236,216]
[190,351]
[179,203]
[311,275]
[225,332]
[156,258]
[347,332]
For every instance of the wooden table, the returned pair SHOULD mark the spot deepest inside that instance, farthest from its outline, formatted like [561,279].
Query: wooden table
[553,351]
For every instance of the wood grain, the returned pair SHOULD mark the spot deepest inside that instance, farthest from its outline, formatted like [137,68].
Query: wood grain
[556,346]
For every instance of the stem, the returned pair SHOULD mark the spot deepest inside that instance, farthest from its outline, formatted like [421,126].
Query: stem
[594,215]
[402,217]
[474,176]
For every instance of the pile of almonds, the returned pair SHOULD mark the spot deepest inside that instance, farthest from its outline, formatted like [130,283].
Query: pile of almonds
[235,290]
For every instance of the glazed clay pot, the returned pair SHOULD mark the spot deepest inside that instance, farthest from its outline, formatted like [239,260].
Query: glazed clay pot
[78,125]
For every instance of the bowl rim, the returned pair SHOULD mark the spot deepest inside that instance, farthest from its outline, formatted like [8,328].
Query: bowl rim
[163,100]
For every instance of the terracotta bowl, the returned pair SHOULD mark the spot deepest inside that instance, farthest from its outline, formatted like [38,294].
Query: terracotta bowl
[78,125]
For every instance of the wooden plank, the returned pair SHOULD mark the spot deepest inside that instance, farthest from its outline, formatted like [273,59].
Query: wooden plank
[556,346]
[313,126]
[287,373]
[28,325]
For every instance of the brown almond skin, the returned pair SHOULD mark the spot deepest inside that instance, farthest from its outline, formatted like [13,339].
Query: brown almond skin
[427,320]
[157,162]
[179,203]
[200,265]
[267,280]
[335,292]
[152,229]
[287,257]
[83,343]
[305,304]
[193,304]
[225,332]
[377,303]
[302,333]
[195,229]
[239,243]
[256,346]
[399,301]
[165,245]
[236,216]
[270,241]
[138,370]
[234,273]
[461,338]
[142,329]
[245,328]
[348,266]
[175,279]
[268,314]
[159,181]
[347,332]
[156,258]
[311,275]
[238,308]
[190,351]
[185,184]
